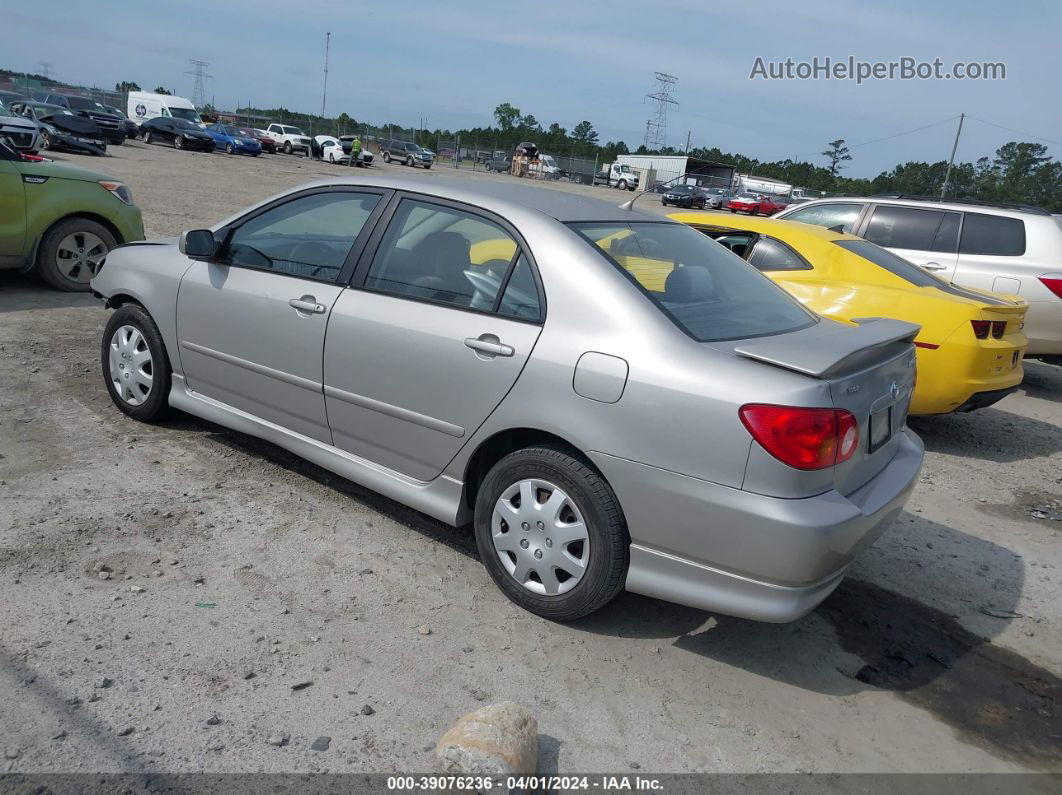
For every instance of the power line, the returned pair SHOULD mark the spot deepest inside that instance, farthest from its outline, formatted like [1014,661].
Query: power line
[1019,132]
[887,137]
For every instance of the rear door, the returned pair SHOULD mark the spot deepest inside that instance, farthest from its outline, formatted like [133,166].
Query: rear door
[989,247]
[251,323]
[437,330]
[928,238]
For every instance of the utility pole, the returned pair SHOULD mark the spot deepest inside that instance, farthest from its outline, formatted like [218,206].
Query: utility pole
[951,161]
[324,94]
[688,134]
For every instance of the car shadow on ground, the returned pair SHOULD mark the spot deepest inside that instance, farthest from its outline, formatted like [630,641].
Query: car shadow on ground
[1042,381]
[992,434]
[22,291]
[868,637]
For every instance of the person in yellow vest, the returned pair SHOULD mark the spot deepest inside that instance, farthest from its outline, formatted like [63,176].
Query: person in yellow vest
[355,152]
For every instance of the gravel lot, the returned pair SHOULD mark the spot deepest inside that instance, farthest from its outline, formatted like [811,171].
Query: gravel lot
[255,596]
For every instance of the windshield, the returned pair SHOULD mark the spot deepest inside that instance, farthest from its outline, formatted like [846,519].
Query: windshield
[115,111]
[682,189]
[625,168]
[81,103]
[185,113]
[708,292]
[292,131]
[4,111]
[244,131]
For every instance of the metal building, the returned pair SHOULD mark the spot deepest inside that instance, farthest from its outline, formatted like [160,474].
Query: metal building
[665,168]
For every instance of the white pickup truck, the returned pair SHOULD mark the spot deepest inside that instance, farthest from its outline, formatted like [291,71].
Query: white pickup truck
[289,139]
[617,175]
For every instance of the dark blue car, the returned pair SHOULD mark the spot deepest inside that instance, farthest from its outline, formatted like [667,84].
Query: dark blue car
[232,141]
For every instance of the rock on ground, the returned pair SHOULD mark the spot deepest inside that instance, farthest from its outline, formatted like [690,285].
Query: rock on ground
[498,740]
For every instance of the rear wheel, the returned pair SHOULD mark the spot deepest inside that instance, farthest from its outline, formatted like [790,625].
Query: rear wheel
[409,161]
[331,158]
[147,136]
[386,157]
[135,366]
[551,534]
[70,253]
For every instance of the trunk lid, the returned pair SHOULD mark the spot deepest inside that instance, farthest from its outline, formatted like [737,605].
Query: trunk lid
[870,371]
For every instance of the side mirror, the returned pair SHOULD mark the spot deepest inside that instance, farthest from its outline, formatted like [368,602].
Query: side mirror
[198,244]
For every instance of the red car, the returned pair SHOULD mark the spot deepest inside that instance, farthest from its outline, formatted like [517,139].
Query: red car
[268,144]
[755,204]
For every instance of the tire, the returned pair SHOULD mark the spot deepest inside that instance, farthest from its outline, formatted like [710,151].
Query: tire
[733,210]
[409,161]
[119,141]
[427,166]
[754,211]
[331,158]
[178,142]
[605,550]
[230,149]
[154,405]
[287,147]
[622,184]
[147,136]
[386,157]
[62,239]
[46,140]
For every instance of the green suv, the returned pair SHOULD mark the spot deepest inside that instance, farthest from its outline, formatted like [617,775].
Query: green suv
[60,220]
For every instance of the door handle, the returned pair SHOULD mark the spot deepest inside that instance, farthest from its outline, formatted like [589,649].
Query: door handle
[307,304]
[933,266]
[490,345]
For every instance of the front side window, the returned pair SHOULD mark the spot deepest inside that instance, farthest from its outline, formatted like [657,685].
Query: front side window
[992,234]
[441,254]
[906,227]
[309,236]
[842,214]
[705,290]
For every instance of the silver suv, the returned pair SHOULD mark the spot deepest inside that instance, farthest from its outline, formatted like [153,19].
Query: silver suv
[1006,248]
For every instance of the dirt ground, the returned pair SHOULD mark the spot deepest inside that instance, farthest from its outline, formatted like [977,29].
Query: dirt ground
[256,597]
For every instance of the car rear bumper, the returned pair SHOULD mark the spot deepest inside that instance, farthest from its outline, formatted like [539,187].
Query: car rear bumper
[981,400]
[731,551]
[963,376]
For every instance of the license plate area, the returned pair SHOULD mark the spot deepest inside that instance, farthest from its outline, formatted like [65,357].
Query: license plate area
[879,428]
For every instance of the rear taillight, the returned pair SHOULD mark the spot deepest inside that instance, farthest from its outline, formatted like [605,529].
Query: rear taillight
[803,438]
[1053,282]
[999,328]
[981,328]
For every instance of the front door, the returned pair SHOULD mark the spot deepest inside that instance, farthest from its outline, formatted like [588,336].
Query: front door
[12,211]
[421,353]
[251,324]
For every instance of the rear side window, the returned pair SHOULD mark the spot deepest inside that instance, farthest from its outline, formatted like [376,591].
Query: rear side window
[911,228]
[895,265]
[840,214]
[444,255]
[704,289]
[774,255]
[992,234]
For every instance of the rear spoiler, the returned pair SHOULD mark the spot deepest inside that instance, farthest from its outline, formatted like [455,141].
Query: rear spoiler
[829,347]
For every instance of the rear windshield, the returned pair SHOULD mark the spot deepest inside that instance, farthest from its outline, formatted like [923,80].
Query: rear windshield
[895,265]
[292,131]
[707,291]
[183,124]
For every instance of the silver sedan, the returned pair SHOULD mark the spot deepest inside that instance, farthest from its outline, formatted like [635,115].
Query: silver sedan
[612,400]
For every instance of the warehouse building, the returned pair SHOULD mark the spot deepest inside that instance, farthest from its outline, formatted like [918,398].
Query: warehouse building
[665,168]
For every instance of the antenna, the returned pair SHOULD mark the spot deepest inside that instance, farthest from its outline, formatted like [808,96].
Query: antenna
[656,128]
[200,74]
[324,96]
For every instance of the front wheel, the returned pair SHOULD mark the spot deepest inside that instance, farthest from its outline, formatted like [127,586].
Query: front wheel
[46,140]
[409,162]
[287,147]
[733,210]
[622,184]
[70,253]
[135,366]
[147,136]
[331,158]
[178,142]
[551,534]
[427,166]
[230,149]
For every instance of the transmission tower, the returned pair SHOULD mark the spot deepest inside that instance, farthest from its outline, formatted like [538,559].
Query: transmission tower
[656,127]
[200,75]
[46,69]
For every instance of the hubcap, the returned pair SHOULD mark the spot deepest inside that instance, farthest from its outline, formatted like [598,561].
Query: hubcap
[132,371]
[78,256]
[540,537]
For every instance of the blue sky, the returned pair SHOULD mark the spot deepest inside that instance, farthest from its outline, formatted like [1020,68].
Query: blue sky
[452,63]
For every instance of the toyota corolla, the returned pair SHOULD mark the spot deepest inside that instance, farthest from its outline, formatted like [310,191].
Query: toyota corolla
[611,399]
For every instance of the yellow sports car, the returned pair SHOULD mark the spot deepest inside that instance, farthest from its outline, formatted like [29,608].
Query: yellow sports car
[970,347]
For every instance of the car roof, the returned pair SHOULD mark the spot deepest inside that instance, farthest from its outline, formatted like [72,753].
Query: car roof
[930,203]
[776,227]
[503,197]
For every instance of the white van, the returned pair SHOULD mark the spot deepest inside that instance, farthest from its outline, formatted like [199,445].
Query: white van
[144,105]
